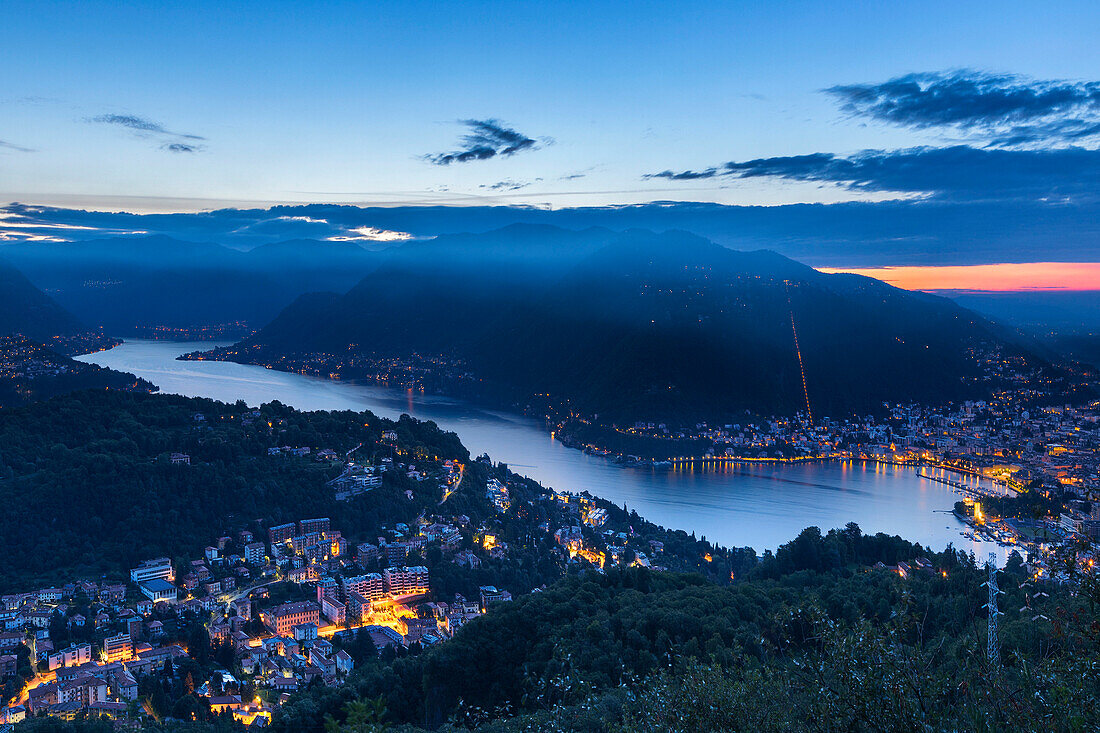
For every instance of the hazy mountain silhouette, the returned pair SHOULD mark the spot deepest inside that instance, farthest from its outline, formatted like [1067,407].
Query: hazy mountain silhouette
[124,283]
[37,337]
[26,310]
[639,323]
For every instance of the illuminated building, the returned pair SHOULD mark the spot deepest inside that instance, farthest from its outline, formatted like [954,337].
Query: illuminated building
[72,656]
[281,533]
[159,590]
[490,595]
[369,586]
[319,525]
[406,581]
[159,568]
[118,648]
[281,619]
[333,610]
[254,553]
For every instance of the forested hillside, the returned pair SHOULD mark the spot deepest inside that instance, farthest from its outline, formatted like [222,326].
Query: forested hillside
[30,372]
[89,476]
[101,463]
[646,325]
[846,648]
[26,310]
[130,283]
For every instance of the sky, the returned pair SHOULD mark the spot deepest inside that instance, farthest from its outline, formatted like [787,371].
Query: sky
[998,278]
[154,108]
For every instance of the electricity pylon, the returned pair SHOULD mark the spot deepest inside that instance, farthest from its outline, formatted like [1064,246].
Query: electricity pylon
[993,646]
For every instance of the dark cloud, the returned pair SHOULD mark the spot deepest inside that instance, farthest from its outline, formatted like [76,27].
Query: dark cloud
[1023,139]
[1004,109]
[172,142]
[134,123]
[181,148]
[939,230]
[959,173]
[486,139]
[1047,132]
[684,175]
[12,146]
[508,185]
[140,124]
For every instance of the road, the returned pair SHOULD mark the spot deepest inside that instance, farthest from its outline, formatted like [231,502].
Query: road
[448,492]
[242,592]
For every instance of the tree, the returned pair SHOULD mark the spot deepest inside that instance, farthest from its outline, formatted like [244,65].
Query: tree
[360,716]
[1015,564]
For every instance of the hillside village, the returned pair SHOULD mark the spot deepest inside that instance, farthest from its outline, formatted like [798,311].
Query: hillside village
[269,610]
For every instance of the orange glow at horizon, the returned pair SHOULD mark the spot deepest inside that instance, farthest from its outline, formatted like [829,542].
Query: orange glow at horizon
[1002,277]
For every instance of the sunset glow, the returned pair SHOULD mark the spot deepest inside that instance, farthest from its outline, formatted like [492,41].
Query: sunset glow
[1002,277]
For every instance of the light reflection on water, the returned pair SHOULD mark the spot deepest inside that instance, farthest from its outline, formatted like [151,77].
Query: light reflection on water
[756,505]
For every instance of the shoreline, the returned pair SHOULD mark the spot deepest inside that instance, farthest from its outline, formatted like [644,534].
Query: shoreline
[635,491]
[618,460]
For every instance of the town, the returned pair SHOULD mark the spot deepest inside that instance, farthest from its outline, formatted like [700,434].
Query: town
[116,633]
[550,367]
[32,371]
[269,610]
[1041,464]
[1026,461]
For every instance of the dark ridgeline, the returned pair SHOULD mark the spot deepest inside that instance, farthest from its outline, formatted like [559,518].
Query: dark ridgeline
[232,481]
[26,310]
[639,324]
[625,324]
[123,284]
[37,337]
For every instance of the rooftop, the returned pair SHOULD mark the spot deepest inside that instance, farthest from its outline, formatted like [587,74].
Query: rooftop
[158,585]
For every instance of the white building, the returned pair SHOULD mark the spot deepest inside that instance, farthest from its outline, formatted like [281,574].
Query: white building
[370,586]
[118,648]
[159,568]
[72,656]
[406,581]
[333,610]
[254,553]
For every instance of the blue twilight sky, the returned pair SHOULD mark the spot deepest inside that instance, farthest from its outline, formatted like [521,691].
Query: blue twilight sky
[145,107]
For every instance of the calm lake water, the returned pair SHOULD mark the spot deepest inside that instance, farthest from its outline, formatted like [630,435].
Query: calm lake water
[756,506]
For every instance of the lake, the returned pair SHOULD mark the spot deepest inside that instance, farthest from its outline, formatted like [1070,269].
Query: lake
[758,506]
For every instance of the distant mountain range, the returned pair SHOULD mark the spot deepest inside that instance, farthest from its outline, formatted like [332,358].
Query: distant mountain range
[1040,312]
[125,284]
[26,310]
[37,337]
[650,325]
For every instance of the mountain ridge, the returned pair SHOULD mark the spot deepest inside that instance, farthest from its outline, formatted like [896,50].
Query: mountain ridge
[126,284]
[26,310]
[654,324]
